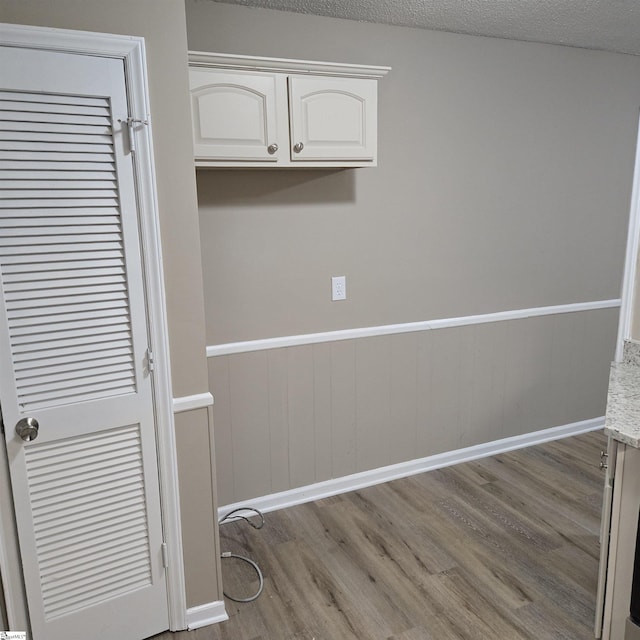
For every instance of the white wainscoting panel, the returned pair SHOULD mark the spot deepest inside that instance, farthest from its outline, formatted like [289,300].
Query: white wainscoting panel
[297,416]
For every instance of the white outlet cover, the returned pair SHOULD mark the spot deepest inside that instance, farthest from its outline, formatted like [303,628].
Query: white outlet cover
[338,288]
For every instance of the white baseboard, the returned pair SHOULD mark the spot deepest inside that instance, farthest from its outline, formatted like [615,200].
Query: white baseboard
[333,487]
[206,614]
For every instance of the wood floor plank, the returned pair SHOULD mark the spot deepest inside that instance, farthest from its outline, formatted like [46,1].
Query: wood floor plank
[504,548]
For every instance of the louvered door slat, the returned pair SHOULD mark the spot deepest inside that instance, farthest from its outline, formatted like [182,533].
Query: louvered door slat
[63,383]
[77,498]
[74,508]
[17,264]
[55,304]
[63,372]
[67,339]
[92,309]
[72,135]
[72,353]
[61,156]
[31,110]
[22,119]
[33,233]
[125,553]
[117,465]
[53,272]
[107,544]
[100,127]
[62,223]
[16,254]
[62,379]
[57,270]
[101,441]
[104,182]
[84,318]
[90,365]
[127,510]
[41,216]
[59,266]
[55,173]
[102,544]
[70,146]
[28,287]
[40,367]
[108,320]
[49,200]
[51,98]
[71,579]
[52,192]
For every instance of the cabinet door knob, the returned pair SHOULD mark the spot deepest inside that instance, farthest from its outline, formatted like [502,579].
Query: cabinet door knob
[298,147]
[272,148]
[604,465]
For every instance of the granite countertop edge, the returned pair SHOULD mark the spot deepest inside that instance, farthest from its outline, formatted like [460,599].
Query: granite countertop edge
[622,419]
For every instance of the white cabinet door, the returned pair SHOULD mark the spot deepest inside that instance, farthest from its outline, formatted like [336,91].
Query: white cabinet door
[73,351]
[332,118]
[234,115]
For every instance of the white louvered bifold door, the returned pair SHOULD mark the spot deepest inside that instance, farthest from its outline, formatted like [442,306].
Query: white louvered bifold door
[73,351]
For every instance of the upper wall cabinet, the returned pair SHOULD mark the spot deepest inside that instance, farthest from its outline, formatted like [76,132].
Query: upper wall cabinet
[269,112]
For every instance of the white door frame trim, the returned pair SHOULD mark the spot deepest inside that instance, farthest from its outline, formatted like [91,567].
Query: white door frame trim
[631,259]
[131,50]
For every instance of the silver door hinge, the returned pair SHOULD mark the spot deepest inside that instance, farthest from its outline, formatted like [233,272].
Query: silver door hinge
[132,123]
[151,362]
[165,555]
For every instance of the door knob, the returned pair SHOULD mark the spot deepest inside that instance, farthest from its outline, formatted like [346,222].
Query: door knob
[27,429]
[272,148]
[298,147]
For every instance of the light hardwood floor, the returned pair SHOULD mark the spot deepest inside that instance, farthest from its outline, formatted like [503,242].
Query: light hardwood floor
[504,548]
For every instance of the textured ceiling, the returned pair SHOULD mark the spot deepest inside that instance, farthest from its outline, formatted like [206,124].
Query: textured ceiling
[612,25]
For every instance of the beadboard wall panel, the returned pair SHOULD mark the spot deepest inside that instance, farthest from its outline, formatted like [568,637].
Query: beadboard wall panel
[287,418]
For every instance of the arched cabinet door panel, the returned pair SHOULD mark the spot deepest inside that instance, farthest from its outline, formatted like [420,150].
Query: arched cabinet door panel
[234,115]
[332,118]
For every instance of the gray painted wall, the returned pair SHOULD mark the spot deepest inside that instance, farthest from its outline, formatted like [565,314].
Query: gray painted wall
[504,181]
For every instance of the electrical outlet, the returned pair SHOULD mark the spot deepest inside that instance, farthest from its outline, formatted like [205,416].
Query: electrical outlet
[339,288]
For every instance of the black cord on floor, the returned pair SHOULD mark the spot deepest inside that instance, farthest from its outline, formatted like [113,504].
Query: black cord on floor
[231,517]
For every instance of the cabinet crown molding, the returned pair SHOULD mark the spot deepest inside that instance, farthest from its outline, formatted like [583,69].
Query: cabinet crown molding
[284,65]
